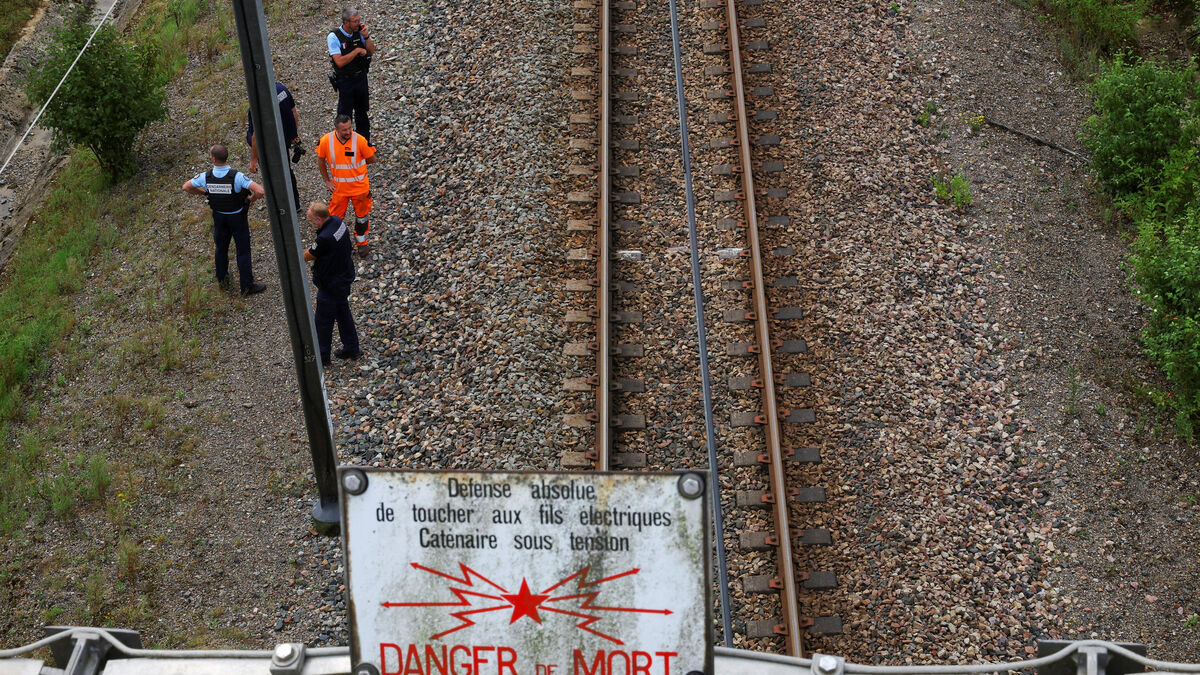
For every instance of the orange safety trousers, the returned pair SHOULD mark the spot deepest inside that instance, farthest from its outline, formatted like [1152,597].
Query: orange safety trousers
[349,174]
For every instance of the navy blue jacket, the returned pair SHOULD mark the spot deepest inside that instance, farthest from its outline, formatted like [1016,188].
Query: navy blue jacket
[286,105]
[333,269]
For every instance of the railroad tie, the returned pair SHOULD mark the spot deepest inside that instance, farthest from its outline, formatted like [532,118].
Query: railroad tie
[794,456]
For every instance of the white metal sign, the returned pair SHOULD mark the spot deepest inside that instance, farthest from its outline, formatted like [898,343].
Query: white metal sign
[526,573]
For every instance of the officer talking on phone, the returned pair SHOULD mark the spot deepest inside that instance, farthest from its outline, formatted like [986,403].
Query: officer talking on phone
[350,50]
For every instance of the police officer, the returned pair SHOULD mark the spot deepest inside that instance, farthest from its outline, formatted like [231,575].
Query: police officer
[351,49]
[230,194]
[332,274]
[290,120]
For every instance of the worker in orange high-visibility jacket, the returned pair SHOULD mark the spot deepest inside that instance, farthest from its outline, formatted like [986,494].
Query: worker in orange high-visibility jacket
[343,156]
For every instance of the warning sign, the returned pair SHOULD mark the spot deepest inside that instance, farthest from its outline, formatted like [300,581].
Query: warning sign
[526,573]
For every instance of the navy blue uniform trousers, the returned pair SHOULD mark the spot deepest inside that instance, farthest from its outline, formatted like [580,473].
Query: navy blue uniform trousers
[354,99]
[333,307]
[234,226]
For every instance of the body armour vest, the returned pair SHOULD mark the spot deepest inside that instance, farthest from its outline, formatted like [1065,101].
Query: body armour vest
[221,195]
[360,64]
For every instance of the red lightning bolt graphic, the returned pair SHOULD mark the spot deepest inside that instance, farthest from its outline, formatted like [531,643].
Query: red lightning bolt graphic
[589,597]
[525,603]
[467,573]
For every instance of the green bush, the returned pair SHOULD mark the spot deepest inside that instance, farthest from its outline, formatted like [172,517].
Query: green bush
[1099,25]
[1143,140]
[113,92]
[1170,197]
[1143,111]
[1166,269]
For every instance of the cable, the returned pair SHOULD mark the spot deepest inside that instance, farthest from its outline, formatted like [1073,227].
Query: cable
[60,84]
[702,339]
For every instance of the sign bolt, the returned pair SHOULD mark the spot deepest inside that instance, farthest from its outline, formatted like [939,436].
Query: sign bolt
[827,664]
[284,652]
[691,485]
[354,481]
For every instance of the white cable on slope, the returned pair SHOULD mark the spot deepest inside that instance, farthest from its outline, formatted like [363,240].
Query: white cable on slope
[60,84]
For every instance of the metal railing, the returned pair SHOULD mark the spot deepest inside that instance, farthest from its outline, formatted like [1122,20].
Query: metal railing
[99,651]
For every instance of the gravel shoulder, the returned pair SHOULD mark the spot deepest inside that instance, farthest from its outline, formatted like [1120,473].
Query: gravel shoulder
[1119,507]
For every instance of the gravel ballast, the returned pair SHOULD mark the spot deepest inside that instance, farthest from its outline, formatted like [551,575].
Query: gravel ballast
[971,511]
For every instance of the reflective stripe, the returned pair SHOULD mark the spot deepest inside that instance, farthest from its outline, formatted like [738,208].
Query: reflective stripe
[341,232]
[353,153]
[353,172]
[353,150]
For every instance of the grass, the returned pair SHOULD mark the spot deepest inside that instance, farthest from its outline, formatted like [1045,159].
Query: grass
[16,14]
[35,315]
[129,556]
[90,381]
[48,266]
[97,478]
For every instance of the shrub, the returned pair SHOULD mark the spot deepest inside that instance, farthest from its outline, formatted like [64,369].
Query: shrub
[1178,181]
[1166,269]
[112,93]
[1104,26]
[1143,112]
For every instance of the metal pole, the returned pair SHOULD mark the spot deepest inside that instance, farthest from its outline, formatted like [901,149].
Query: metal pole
[293,279]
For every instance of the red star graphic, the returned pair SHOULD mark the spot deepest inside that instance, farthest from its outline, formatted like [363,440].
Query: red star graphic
[524,603]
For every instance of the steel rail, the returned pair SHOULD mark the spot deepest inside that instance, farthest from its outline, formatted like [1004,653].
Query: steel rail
[604,427]
[770,408]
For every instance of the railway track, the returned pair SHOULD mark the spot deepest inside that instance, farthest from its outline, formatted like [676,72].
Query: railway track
[737,58]
[597,135]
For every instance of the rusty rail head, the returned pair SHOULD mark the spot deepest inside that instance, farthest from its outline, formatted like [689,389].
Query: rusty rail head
[770,408]
[604,427]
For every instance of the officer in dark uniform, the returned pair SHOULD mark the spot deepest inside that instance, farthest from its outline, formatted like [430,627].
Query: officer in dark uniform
[290,120]
[332,274]
[230,194]
[351,49]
